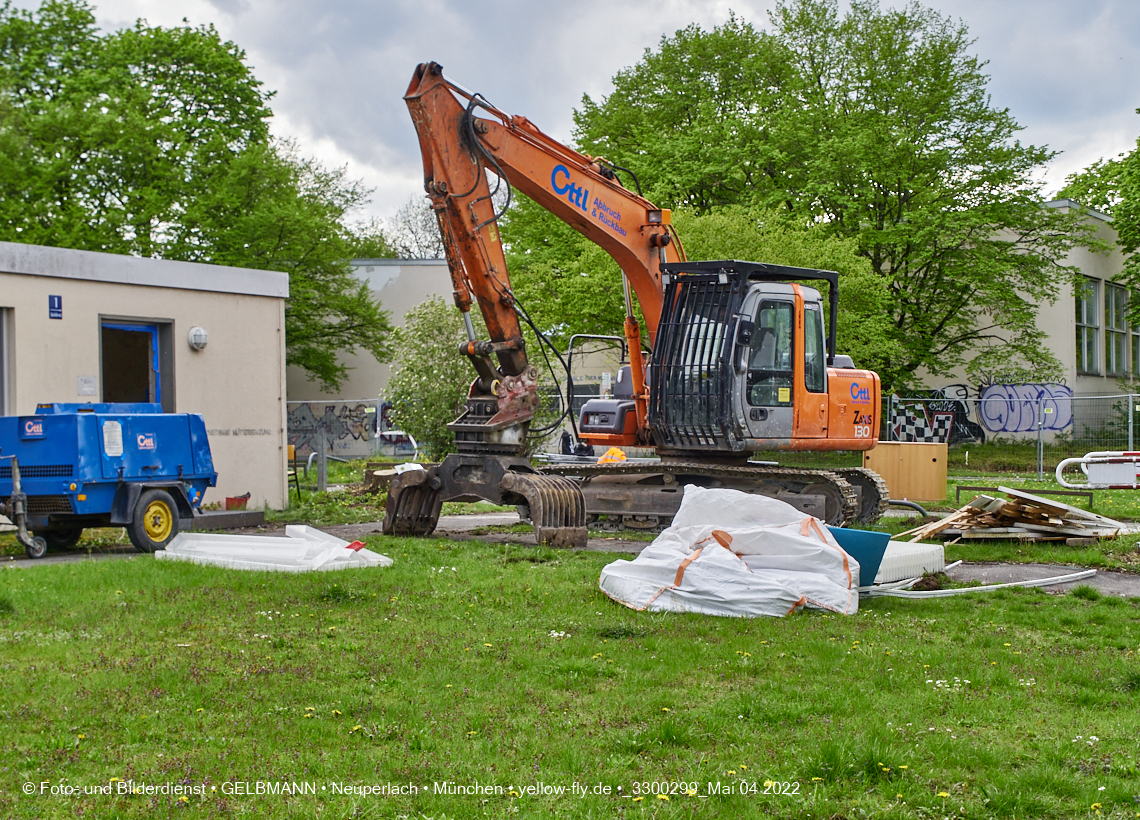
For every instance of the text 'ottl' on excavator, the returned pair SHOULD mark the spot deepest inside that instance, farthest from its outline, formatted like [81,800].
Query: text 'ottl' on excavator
[740,358]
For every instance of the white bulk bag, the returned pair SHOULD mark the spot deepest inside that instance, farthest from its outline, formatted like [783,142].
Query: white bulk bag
[740,555]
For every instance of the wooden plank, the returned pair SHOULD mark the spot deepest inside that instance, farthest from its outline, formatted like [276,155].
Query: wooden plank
[1075,531]
[927,531]
[1006,530]
[987,535]
[1057,505]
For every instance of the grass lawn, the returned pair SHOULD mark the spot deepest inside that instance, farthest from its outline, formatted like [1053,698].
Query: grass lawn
[504,667]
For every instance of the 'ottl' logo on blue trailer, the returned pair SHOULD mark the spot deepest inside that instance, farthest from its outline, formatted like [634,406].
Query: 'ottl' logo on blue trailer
[31,428]
[146,441]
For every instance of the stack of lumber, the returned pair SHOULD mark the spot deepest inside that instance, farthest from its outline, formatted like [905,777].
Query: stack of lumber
[1019,517]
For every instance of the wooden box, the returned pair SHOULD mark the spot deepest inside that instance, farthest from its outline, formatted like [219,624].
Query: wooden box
[915,471]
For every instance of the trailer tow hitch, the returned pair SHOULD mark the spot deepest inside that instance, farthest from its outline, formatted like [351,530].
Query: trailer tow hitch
[17,511]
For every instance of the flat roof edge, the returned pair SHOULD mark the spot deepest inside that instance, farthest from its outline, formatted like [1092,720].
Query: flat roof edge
[114,268]
[1076,206]
[394,263]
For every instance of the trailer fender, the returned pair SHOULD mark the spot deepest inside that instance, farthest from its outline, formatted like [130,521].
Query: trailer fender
[127,498]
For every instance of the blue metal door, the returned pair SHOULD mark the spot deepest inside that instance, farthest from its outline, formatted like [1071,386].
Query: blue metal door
[155,376]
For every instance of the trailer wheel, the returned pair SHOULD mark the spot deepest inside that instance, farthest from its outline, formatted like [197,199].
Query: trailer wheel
[155,522]
[38,548]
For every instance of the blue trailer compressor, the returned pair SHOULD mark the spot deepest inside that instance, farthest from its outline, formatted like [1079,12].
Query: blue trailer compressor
[73,466]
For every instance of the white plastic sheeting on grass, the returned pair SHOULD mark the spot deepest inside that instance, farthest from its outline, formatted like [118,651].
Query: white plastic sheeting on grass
[303,549]
[738,555]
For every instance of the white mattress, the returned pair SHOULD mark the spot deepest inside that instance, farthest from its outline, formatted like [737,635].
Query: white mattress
[903,560]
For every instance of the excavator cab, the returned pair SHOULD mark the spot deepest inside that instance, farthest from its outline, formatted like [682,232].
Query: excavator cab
[745,362]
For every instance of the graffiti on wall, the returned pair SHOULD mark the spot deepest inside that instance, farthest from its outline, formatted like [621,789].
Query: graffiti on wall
[349,427]
[940,415]
[1012,408]
[958,414]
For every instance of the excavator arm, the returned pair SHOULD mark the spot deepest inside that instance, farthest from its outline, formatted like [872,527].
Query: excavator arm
[462,138]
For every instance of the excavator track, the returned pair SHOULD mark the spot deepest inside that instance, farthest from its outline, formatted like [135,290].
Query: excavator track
[645,496]
[874,495]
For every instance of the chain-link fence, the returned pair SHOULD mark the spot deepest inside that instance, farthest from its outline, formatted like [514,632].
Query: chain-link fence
[1047,419]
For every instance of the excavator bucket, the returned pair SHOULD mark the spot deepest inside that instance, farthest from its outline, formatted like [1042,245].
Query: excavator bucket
[555,503]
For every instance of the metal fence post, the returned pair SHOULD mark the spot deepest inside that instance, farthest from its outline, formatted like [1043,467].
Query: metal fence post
[322,461]
[890,414]
[1131,416]
[376,440]
[1040,439]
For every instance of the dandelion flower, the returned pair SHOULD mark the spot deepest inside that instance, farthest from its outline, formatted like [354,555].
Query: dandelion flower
[943,794]
[662,797]
[638,799]
[199,709]
[664,708]
[486,644]
[336,712]
[817,779]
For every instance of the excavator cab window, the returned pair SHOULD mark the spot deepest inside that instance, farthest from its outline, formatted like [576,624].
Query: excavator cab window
[815,371]
[770,355]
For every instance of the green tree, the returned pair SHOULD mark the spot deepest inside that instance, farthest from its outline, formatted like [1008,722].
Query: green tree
[876,127]
[155,142]
[1113,186]
[430,378]
[1097,186]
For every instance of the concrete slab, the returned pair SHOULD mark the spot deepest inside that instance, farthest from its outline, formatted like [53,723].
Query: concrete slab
[1124,584]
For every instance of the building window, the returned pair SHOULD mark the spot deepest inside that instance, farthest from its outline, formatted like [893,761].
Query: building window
[815,373]
[1135,333]
[1115,329]
[1088,328]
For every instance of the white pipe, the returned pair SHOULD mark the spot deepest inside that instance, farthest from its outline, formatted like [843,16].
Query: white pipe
[946,593]
[1100,457]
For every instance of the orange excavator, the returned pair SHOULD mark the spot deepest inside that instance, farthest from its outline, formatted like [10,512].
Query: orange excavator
[740,359]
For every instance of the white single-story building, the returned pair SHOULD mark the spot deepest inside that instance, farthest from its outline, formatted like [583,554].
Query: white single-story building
[80,326]
[399,285]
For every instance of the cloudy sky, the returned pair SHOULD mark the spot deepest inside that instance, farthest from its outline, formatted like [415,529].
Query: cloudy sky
[1068,71]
